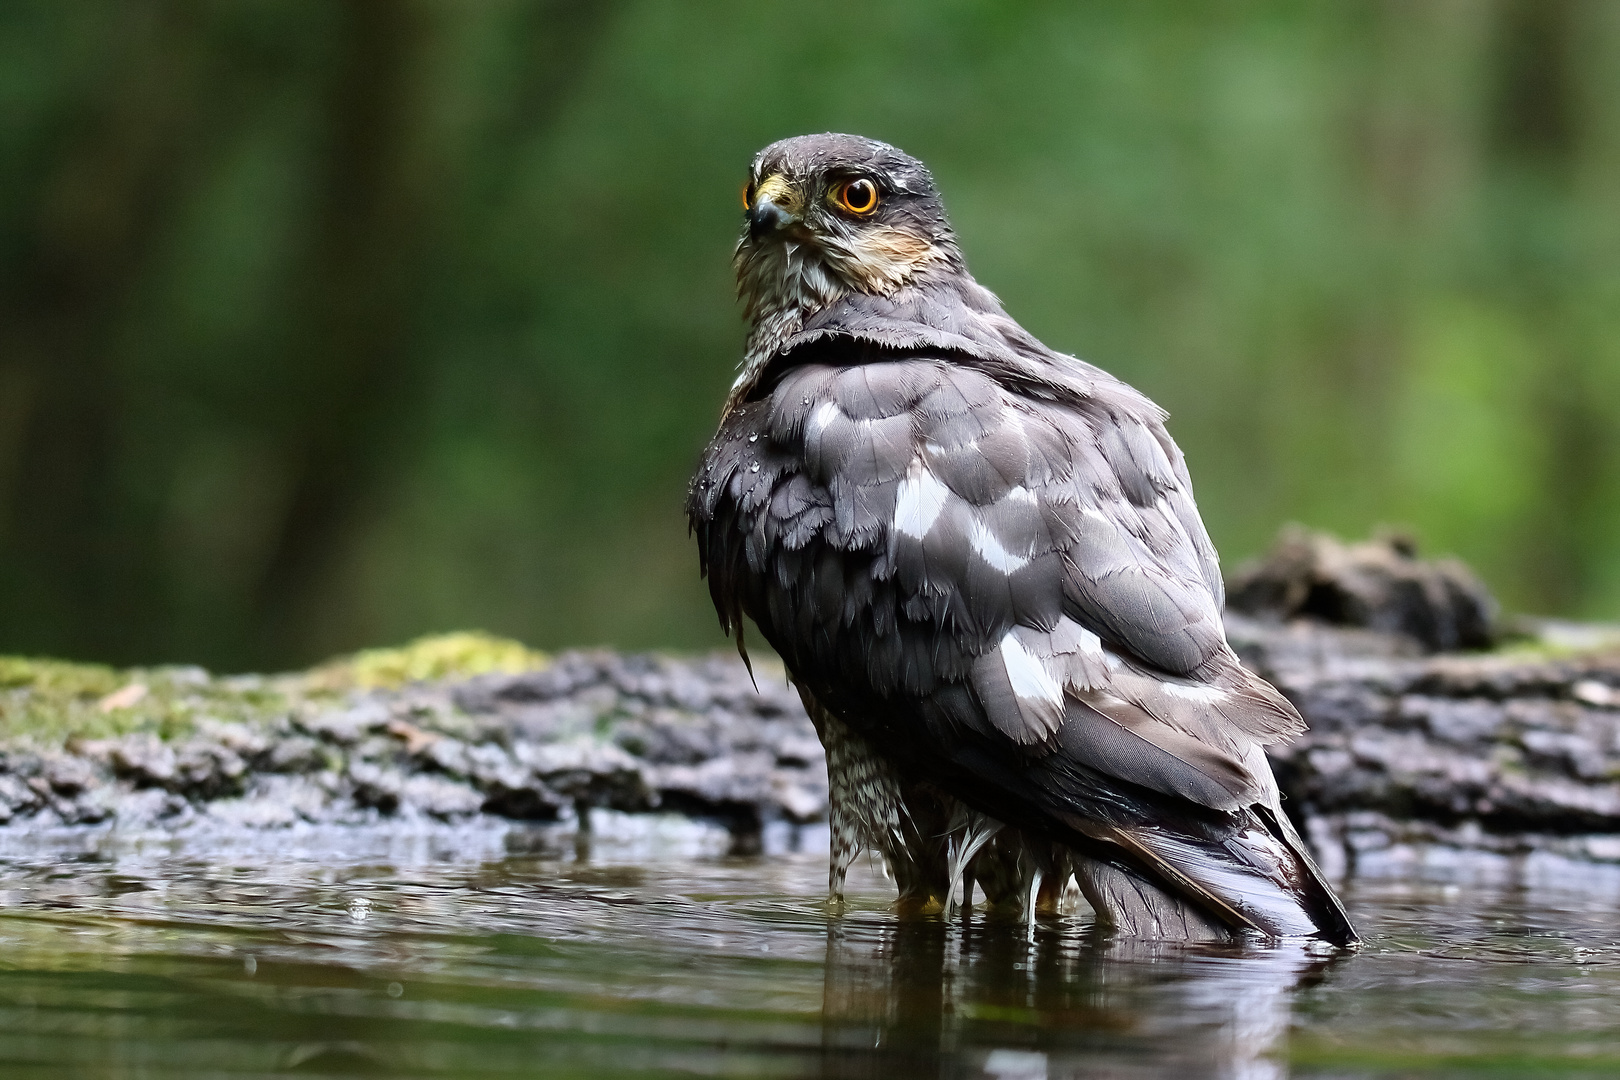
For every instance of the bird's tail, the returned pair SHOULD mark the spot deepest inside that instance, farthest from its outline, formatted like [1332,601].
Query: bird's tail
[1249,873]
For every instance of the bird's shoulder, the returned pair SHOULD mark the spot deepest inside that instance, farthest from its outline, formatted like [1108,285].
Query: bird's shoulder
[1027,495]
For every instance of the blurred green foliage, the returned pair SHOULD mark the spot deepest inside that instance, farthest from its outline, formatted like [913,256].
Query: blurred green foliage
[330,323]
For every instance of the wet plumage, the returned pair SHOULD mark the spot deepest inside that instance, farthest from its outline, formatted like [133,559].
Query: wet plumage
[983,566]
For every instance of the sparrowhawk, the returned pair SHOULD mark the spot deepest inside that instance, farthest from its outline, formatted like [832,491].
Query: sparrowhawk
[981,563]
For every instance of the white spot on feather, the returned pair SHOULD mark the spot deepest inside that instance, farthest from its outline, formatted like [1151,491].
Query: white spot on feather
[1079,655]
[990,550]
[1029,677]
[825,414]
[1066,636]
[1020,494]
[1090,644]
[920,499]
[1204,695]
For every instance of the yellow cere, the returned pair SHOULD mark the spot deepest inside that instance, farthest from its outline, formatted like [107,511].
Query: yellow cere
[776,188]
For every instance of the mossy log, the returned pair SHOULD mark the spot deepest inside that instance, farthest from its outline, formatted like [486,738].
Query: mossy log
[1412,753]
[448,729]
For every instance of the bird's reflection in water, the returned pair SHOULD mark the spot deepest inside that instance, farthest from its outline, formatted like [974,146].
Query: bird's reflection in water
[985,999]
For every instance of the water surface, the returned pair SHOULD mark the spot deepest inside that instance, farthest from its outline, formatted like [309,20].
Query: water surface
[494,953]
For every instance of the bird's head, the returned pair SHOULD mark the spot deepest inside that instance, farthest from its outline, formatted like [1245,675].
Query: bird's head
[827,215]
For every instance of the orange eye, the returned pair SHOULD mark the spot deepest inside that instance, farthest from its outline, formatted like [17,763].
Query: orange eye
[747,195]
[857,196]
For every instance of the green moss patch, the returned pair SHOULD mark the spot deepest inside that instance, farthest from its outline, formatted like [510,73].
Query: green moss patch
[443,656]
[53,701]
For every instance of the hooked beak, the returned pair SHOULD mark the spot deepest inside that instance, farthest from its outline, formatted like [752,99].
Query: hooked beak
[776,206]
[767,217]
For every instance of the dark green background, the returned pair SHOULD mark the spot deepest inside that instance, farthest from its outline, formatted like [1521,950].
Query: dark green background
[326,324]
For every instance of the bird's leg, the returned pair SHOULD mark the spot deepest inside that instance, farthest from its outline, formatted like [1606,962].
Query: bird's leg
[870,806]
[967,833]
[845,841]
[847,838]
[1022,877]
[1049,898]
[845,845]
[1000,873]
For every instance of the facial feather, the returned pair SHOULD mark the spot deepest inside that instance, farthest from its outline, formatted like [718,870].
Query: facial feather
[810,255]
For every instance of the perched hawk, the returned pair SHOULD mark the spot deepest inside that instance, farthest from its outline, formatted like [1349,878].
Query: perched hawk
[981,561]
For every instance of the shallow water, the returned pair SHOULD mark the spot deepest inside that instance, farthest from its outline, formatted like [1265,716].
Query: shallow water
[483,953]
